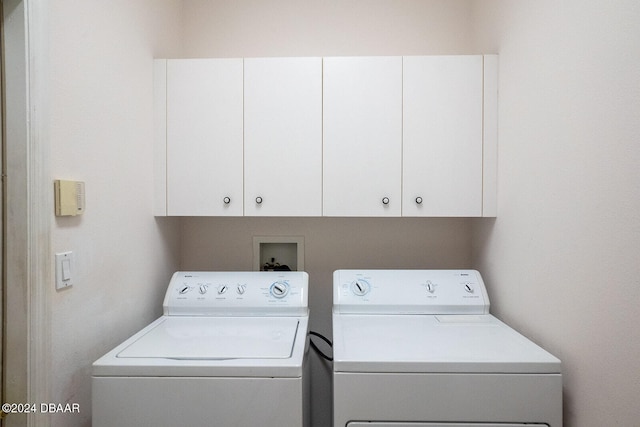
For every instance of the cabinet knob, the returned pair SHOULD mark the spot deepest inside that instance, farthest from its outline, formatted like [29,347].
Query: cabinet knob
[258,200]
[227,200]
[419,200]
[385,200]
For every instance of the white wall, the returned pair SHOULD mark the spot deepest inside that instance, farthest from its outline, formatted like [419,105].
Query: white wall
[562,259]
[325,28]
[244,28]
[100,131]
[15,295]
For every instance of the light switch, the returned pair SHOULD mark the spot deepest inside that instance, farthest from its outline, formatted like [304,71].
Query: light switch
[64,269]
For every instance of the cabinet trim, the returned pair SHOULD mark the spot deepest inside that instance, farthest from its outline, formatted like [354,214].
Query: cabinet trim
[490,137]
[160,137]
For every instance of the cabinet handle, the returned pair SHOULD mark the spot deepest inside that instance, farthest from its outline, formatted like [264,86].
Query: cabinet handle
[419,200]
[258,200]
[385,200]
[227,200]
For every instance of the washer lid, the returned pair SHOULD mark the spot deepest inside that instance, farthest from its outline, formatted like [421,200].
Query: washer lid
[427,343]
[216,338]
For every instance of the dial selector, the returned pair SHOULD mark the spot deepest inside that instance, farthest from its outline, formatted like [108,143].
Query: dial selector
[360,287]
[468,288]
[202,289]
[430,287]
[222,289]
[279,289]
[184,289]
[241,289]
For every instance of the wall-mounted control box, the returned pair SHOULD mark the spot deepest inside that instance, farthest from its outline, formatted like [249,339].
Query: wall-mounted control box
[69,197]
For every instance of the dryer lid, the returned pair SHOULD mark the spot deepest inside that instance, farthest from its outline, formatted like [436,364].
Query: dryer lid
[426,343]
[216,338]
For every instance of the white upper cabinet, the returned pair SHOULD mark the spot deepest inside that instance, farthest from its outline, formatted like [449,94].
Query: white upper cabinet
[204,119]
[443,136]
[362,152]
[338,136]
[283,136]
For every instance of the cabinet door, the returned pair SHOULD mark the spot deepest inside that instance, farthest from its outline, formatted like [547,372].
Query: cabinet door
[283,136]
[204,137]
[362,150]
[442,136]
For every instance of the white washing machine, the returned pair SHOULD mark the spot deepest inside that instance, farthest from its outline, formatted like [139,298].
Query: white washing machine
[229,350]
[418,348]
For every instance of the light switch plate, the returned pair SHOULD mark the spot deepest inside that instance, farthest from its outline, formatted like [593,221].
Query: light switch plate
[65,270]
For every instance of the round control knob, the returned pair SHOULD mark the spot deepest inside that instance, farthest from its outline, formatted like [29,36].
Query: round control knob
[279,289]
[227,200]
[430,287]
[241,289]
[468,288]
[259,200]
[360,287]
[184,289]
[419,200]
[385,200]
[222,289]
[202,289]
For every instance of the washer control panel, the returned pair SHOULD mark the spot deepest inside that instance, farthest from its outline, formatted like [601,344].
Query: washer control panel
[409,292]
[264,293]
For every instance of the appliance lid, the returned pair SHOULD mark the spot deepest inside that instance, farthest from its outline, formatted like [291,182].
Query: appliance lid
[216,338]
[429,343]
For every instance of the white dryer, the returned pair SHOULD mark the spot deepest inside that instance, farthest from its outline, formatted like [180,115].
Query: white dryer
[229,350]
[418,348]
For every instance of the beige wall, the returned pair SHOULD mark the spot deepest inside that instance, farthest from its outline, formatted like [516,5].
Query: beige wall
[329,244]
[562,259]
[100,131]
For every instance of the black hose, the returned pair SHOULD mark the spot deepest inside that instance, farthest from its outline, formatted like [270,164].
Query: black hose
[323,338]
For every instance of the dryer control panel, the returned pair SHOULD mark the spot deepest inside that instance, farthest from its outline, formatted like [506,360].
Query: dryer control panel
[217,293]
[409,292]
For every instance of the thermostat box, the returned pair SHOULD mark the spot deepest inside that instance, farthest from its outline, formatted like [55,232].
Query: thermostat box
[69,196]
